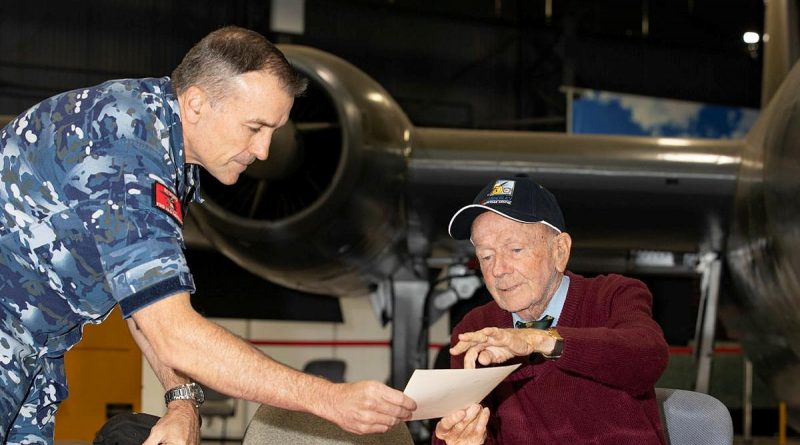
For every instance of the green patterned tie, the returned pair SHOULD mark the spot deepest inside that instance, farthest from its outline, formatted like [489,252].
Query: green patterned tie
[542,323]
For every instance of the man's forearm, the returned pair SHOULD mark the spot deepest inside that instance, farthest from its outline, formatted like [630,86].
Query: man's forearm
[166,375]
[169,378]
[184,343]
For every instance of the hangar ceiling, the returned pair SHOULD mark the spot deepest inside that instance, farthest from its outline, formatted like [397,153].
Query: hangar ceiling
[451,63]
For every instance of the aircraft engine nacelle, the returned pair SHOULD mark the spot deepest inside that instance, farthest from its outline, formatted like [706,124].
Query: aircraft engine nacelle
[764,246]
[325,213]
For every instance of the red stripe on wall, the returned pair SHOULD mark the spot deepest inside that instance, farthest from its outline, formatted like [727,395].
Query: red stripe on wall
[336,343]
[673,350]
[686,350]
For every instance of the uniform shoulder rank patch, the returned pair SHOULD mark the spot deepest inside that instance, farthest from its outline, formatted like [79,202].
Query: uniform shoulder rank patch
[166,200]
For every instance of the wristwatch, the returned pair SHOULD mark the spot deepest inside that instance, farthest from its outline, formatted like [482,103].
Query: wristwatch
[559,345]
[188,391]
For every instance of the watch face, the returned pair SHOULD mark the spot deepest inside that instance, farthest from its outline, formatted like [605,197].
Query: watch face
[198,394]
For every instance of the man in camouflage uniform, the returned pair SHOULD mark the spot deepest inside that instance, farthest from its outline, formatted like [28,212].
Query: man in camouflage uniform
[95,184]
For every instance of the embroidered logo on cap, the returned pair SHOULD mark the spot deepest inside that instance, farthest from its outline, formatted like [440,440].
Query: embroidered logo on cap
[166,200]
[501,193]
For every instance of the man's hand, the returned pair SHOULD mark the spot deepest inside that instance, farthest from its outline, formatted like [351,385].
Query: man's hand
[495,345]
[180,425]
[367,407]
[464,427]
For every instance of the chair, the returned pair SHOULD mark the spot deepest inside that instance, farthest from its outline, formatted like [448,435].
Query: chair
[280,426]
[331,369]
[691,417]
[218,405]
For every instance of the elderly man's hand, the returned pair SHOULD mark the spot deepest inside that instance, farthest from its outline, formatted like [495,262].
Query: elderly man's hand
[179,426]
[496,345]
[368,407]
[464,427]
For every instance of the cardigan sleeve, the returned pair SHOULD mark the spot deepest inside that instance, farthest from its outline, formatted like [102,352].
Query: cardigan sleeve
[628,351]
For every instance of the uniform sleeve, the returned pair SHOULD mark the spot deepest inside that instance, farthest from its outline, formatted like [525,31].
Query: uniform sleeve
[140,245]
[629,352]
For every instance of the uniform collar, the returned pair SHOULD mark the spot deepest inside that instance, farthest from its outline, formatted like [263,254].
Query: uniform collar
[188,175]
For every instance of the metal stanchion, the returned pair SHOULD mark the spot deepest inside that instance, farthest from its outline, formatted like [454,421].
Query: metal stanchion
[747,401]
[782,423]
[710,267]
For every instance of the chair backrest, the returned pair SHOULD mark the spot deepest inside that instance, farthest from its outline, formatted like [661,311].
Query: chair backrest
[217,404]
[691,417]
[280,426]
[331,369]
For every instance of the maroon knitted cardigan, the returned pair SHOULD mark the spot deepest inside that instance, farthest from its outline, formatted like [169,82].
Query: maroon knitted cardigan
[601,389]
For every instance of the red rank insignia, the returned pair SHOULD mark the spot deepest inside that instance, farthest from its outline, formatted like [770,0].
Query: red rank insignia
[166,200]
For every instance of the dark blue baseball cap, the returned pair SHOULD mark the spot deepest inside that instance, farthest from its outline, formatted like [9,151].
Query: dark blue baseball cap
[519,199]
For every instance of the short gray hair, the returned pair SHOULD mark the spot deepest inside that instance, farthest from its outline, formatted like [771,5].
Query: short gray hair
[229,52]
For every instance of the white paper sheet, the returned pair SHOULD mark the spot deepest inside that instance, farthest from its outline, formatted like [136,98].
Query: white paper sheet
[439,392]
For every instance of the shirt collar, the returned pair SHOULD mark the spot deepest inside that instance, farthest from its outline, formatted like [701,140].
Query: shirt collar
[555,305]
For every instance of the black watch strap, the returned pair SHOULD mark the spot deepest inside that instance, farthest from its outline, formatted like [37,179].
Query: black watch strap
[558,348]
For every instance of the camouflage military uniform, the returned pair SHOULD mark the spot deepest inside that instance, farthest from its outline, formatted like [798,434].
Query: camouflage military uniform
[93,186]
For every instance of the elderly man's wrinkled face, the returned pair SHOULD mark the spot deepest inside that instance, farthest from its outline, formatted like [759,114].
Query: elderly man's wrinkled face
[227,135]
[522,264]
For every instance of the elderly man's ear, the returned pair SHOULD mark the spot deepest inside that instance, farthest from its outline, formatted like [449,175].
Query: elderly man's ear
[562,246]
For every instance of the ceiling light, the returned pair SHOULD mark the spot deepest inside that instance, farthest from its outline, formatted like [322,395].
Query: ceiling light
[751,37]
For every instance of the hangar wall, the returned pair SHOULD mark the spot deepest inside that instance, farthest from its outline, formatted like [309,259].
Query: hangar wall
[463,64]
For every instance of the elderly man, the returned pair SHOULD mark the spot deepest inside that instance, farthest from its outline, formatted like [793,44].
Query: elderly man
[95,184]
[590,350]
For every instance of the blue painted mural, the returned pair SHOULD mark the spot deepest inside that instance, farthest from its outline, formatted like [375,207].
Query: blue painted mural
[602,112]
